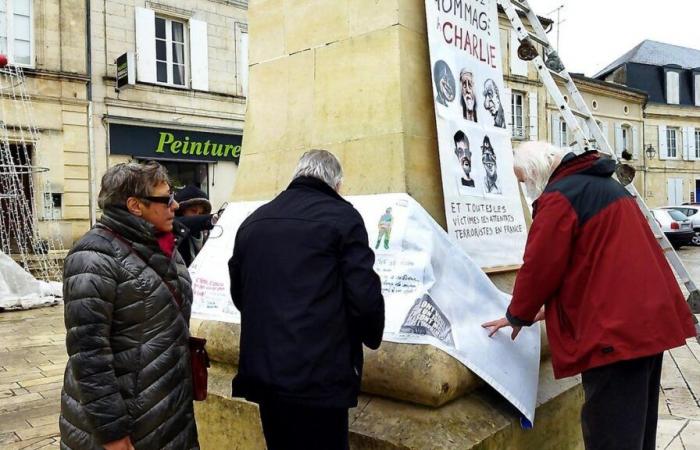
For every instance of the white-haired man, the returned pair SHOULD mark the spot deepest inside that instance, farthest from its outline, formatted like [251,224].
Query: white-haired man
[611,302]
[302,277]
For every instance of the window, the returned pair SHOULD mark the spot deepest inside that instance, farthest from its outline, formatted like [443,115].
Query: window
[697,144]
[672,88]
[170,52]
[516,109]
[563,138]
[672,142]
[696,79]
[16,31]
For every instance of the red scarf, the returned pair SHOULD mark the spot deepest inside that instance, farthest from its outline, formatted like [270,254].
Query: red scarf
[166,242]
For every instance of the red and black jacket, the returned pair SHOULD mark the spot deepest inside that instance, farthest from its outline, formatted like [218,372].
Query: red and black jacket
[593,260]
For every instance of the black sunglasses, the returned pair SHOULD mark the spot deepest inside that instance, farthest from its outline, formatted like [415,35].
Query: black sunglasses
[166,200]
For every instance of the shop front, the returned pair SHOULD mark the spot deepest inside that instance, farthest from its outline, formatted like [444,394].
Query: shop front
[192,156]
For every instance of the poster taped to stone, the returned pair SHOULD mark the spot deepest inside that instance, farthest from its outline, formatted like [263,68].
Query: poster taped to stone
[434,293]
[482,201]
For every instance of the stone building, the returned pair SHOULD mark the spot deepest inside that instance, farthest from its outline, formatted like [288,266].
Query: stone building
[47,39]
[670,75]
[181,94]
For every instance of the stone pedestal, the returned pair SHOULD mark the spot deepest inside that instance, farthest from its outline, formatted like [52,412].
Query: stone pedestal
[353,77]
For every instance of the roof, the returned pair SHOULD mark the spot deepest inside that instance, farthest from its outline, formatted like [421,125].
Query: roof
[609,85]
[656,54]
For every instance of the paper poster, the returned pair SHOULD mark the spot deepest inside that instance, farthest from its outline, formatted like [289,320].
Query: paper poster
[434,293]
[482,201]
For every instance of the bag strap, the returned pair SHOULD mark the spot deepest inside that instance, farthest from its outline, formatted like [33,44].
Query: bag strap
[174,295]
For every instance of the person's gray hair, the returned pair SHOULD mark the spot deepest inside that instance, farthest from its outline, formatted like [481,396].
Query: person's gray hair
[320,164]
[537,161]
[130,179]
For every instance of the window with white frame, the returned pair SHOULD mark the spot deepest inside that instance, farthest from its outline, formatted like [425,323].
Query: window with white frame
[672,142]
[697,144]
[563,134]
[171,66]
[672,88]
[516,110]
[16,31]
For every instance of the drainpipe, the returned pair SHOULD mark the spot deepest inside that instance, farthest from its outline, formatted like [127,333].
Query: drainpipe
[92,171]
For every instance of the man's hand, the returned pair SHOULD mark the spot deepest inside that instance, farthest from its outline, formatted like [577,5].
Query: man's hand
[122,444]
[496,325]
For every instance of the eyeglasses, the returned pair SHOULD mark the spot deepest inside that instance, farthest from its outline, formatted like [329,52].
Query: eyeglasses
[166,200]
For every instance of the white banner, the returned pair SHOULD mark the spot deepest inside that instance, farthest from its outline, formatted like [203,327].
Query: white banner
[434,293]
[482,201]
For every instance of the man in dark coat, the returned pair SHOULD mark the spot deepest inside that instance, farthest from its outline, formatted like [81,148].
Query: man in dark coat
[195,214]
[611,302]
[302,277]
[128,297]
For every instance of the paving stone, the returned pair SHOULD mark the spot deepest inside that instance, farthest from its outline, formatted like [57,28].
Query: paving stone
[44,420]
[42,431]
[43,380]
[668,429]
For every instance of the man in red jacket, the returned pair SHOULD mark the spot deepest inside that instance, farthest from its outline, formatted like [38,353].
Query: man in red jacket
[611,302]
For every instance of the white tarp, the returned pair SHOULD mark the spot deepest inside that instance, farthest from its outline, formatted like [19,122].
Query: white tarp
[482,201]
[20,290]
[435,294]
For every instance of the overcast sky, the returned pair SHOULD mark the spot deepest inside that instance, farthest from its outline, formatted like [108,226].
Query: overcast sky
[596,32]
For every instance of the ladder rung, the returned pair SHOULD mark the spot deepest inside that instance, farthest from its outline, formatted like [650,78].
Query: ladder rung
[521,5]
[580,114]
[538,39]
[558,76]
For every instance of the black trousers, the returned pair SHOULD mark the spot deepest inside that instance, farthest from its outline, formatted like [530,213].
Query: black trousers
[295,427]
[620,411]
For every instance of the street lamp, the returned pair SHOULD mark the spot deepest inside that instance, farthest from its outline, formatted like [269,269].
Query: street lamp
[650,151]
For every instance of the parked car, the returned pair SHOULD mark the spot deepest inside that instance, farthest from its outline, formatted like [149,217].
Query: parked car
[693,213]
[675,225]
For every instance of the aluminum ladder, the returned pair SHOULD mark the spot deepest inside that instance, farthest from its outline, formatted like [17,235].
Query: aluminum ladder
[598,141]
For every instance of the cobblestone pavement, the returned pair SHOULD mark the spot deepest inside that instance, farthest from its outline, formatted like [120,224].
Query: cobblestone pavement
[32,360]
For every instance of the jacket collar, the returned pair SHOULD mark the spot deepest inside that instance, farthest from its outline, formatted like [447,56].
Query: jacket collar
[572,163]
[315,184]
[134,228]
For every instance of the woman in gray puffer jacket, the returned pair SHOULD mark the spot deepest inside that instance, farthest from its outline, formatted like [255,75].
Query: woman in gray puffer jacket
[128,382]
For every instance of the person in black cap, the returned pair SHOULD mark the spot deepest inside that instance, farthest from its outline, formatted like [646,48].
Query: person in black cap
[195,214]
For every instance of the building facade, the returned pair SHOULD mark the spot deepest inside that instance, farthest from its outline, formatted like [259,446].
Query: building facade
[181,94]
[670,75]
[46,39]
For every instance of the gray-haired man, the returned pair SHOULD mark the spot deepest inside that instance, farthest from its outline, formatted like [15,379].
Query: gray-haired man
[302,277]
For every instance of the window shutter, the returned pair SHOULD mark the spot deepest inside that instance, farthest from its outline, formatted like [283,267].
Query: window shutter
[663,145]
[555,130]
[532,105]
[517,65]
[604,130]
[199,55]
[618,139]
[243,66]
[696,86]
[508,93]
[672,87]
[692,148]
[145,45]
[685,151]
[636,143]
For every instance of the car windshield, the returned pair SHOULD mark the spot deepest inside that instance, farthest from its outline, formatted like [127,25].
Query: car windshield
[677,215]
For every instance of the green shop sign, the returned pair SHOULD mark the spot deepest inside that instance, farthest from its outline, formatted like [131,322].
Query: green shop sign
[173,145]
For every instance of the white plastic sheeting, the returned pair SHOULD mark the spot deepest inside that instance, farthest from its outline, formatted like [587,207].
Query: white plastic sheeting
[20,290]
[435,294]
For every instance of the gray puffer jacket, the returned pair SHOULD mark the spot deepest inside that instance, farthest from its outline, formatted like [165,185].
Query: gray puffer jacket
[128,372]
